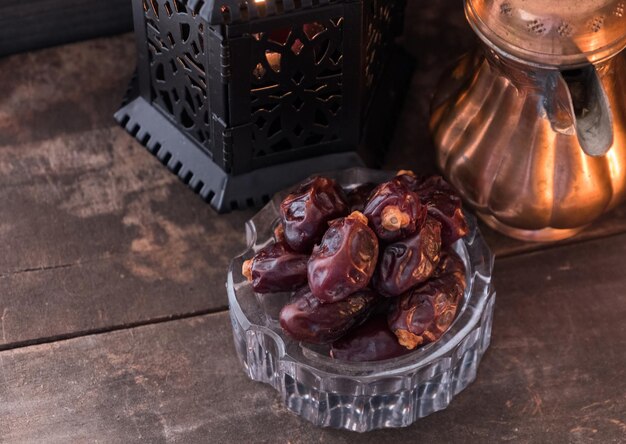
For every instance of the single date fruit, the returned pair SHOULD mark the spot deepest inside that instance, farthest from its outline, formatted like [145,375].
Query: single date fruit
[444,205]
[424,313]
[306,319]
[410,261]
[408,179]
[394,212]
[305,213]
[442,201]
[370,341]
[276,268]
[345,260]
[451,264]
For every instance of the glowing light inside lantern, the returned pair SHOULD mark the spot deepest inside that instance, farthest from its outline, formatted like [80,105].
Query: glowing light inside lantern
[282,36]
[273,59]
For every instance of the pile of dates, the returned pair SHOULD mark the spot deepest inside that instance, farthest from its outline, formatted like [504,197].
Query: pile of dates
[372,269]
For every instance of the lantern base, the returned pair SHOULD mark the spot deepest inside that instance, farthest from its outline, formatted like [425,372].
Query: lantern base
[226,192]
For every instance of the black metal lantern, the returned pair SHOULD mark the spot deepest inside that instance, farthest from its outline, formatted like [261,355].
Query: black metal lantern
[242,98]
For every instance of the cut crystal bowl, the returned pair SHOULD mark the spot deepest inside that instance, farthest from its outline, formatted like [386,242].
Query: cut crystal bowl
[359,396]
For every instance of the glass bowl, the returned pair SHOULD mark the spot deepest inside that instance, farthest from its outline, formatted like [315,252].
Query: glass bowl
[359,396]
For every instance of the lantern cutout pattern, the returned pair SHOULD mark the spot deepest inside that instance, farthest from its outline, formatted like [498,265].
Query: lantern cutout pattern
[241,99]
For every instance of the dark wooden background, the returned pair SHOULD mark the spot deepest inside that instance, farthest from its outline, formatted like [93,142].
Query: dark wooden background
[113,312]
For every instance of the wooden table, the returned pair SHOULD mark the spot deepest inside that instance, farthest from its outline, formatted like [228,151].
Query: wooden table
[113,312]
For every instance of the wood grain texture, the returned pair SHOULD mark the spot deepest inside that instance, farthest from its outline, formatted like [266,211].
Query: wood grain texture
[30,24]
[555,372]
[97,233]
[64,90]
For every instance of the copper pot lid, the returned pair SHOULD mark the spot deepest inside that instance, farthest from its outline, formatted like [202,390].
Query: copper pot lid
[554,33]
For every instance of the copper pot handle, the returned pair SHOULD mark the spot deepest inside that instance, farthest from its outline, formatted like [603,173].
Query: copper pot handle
[576,103]
[595,126]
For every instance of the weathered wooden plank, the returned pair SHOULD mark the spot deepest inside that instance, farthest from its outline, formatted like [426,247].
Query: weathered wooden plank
[95,232]
[30,24]
[95,194]
[556,372]
[63,90]
[98,234]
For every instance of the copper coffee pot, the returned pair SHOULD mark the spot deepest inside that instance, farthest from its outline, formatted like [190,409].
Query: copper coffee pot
[531,128]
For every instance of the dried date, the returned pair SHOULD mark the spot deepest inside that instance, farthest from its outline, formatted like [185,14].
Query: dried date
[408,179]
[276,268]
[345,260]
[424,313]
[394,211]
[442,201]
[305,214]
[307,319]
[371,341]
[410,261]
[445,205]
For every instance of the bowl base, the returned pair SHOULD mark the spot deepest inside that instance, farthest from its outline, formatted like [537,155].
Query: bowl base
[542,235]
